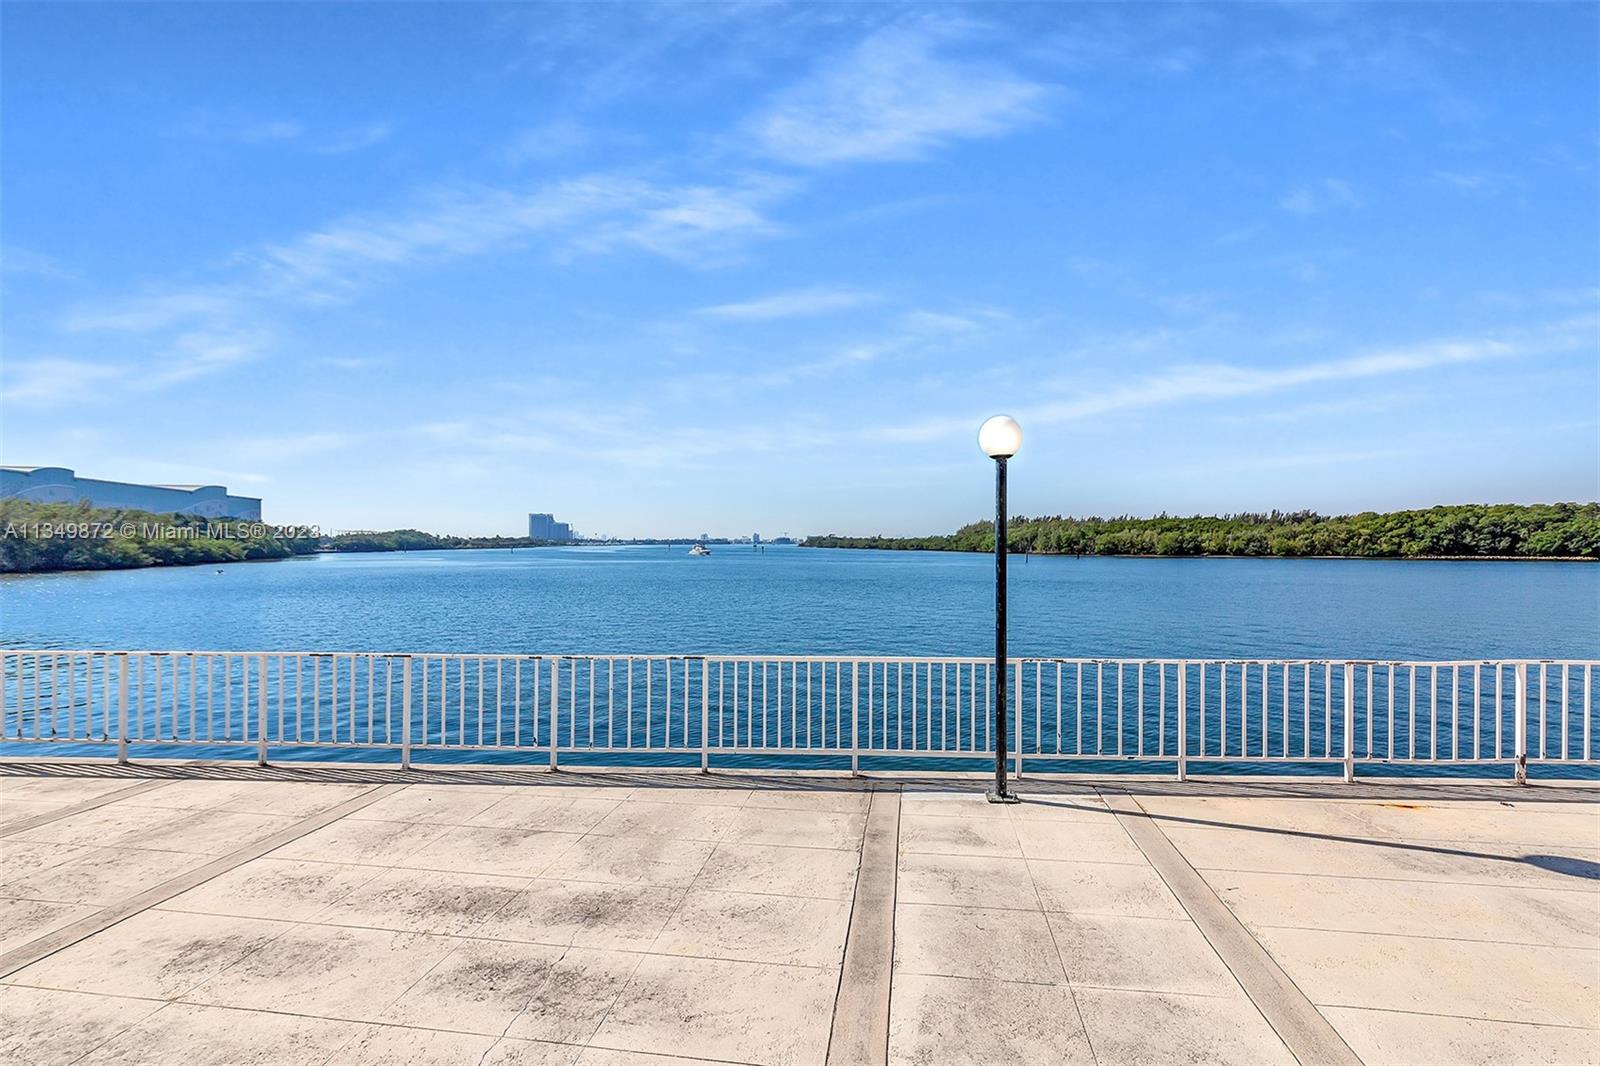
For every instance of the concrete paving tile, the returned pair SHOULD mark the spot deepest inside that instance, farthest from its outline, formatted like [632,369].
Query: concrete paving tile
[757,928]
[487,850]
[811,829]
[937,835]
[1144,954]
[707,796]
[479,987]
[440,805]
[219,1036]
[157,955]
[58,791]
[1077,840]
[100,876]
[24,857]
[1002,945]
[966,880]
[948,1021]
[192,795]
[422,901]
[969,803]
[585,913]
[1508,982]
[599,1056]
[1224,812]
[1226,849]
[14,810]
[1469,912]
[295,799]
[816,873]
[1050,807]
[326,971]
[291,798]
[670,821]
[842,801]
[22,920]
[512,1052]
[632,860]
[351,840]
[1135,1028]
[390,1045]
[1399,1039]
[716,1009]
[204,832]
[1513,825]
[283,889]
[46,1027]
[1103,888]
[537,810]
[580,988]
[105,825]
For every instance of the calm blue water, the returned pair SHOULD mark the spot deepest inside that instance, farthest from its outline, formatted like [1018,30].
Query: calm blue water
[812,601]
[824,602]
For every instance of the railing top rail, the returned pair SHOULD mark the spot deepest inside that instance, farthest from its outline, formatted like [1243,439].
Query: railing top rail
[843,657]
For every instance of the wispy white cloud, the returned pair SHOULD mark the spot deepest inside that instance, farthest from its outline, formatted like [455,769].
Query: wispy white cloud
[1473,183]
[549,140]
[287,132]
[24,262]
[50,382]
[199,354]
[1222,381]
[267,132]
[896,95]
[593,214]
[1316,197]
[352,140]
[796,303]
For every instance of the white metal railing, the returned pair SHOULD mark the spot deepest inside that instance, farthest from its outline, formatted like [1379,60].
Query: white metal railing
[793,710]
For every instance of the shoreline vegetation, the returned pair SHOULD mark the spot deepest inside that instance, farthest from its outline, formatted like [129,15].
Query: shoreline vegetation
[1565,531]
[43,538]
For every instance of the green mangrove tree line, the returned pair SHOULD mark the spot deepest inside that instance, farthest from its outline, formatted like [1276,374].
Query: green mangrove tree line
[1562,530]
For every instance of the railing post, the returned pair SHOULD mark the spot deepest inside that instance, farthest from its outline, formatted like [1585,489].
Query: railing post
[122,708]
[555,707]
[1349,722]
[1017,716]
[855,718]
[405,710]
[705,715]
[261,709]
[1520,725]
[1183,721]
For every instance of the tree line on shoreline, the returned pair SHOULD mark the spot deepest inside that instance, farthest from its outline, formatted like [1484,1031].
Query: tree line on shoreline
[42,537]
[1516,531]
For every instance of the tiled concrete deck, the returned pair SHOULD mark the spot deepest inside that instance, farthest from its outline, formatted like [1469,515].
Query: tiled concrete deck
[226,915]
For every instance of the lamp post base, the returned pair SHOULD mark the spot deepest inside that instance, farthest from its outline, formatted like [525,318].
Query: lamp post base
[1003,797]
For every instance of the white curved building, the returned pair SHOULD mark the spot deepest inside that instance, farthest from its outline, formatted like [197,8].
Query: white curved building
[57,484]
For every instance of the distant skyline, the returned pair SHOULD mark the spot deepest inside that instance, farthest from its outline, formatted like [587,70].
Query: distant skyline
[665,269]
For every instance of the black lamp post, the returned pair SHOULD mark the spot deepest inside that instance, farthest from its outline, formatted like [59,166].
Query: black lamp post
[1000,437]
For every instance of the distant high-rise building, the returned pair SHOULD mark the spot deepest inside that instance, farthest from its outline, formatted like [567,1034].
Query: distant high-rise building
[545,527]
[755,538]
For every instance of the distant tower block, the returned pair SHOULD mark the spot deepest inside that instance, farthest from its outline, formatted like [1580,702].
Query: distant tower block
[545,527]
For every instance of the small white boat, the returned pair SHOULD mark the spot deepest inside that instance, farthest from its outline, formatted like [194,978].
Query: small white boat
[699,549]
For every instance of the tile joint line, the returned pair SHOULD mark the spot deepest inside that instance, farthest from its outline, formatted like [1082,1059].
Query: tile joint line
[859,1035]
[1308,1035]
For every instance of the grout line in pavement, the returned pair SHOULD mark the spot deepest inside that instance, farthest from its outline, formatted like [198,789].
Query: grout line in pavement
[1309,1036]
[40,947]
[22,825]
[859,1035]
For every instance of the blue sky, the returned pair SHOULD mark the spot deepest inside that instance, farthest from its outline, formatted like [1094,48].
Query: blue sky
[673,268]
